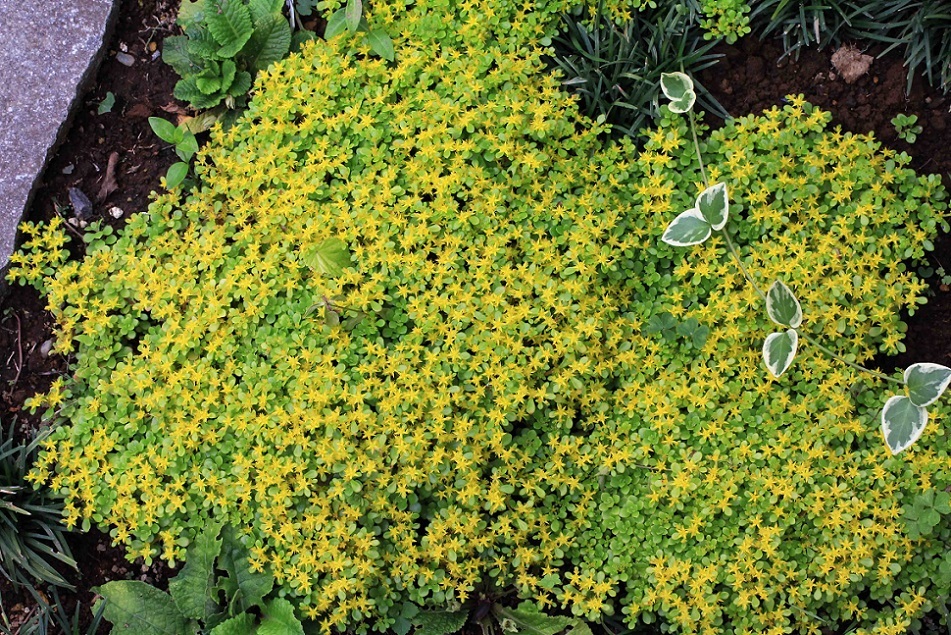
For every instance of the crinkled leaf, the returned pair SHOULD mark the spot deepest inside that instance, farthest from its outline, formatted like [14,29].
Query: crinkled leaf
[782,306]
[902,422]
[336,24]
[579,627]
[241,84]
[247,586]
[676,86]
[278,619]
[136,608]
[926,382]
[779,349]
[270,43]
[175,53]
[229,22]
[240,624]
[381,44]
[353,12]
[193,589]
[714,205]
[190,13]
[689,228]
[533,622]
[187,90]
[440,622]
[329,257]
[261,9]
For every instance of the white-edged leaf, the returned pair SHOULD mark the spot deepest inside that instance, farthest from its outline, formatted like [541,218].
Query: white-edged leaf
[714,205]
[684,104]
[782,306]
[689,228]
[779,349]
[676,86]
[902,422]
[926,382]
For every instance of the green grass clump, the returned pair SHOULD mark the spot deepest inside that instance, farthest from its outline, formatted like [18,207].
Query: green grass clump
[415,335]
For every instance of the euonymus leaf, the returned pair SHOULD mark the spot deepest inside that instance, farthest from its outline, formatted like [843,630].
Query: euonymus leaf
[676,86]
[136,608]
[278,619]
[176,174]
[165,130]
[329,257]
[902,422]
[249,587]
[926,382]
[187,147]
[353,12]
[714,205]
[381,44]
[782,306]
[193,589]
[230,24]
[439,622]
[689,228]
[240,624]
[336,24]
[533,622]
[779,351]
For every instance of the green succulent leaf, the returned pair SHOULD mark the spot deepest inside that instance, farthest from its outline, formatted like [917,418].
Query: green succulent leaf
[381,44]
[136,608]
[193,589]
[779,349]
[278,619]
[782,306]
[926,382]
[902,422]
[714,205]
[229,22]
[689,228]
[439,622]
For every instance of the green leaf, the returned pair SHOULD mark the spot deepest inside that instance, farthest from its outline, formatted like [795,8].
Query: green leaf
[240,624]
[782,306]
[190,13]
[135,608]
[533,622]
[106,104]
[279,619]
[779,349]
[689,228]
[664,323]
[353,12]
[229,22]
[187,147]
[193,589]
[208,85]
[228,69]
[381,44]
[329,257]
[926,382]
[187,90]
[264,9]
[241,84]
[270,43]
[440,622]
[165,130]
[676,86]
[902,422]
[580,627]
[714,205]
[245,588]
[175,53]
[176,174]
[336,24]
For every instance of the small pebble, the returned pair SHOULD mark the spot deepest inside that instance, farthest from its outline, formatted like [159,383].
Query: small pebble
[125,59]
[123,47]
[46,347]
[116,212]
[69,169]
[152,47]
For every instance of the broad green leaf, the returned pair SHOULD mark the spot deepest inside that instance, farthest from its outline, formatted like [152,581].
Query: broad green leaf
[533,622]
[176,174]
[228,69]
[714,205]
[241,84]
[278,619]
[329,257]
[187,90]
[135,608]
[336,24]
[779,349]
[353,12]
[440,622]
[175,53]
[782,306]
[404,622]
[579,627]
[229,22]
[926,382]
[165,130]
[270,43]
[208,85]
[245,586]
[190,13]
[187,147]
[261,9]
[676,86]
[902,422]
[193,589]
[381,44]
[240,624]
[689,228]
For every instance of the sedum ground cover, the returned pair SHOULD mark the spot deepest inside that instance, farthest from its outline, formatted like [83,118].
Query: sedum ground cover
[415,336]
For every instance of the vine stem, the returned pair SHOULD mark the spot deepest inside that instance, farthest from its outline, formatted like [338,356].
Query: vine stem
[838,357]
[696,145]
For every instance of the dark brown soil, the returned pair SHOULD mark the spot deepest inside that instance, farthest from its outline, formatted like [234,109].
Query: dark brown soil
[750,78]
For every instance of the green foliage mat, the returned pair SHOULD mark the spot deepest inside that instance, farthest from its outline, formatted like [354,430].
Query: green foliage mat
[415,331]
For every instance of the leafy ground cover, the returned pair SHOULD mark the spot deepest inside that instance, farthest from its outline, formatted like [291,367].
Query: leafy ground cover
[676,574]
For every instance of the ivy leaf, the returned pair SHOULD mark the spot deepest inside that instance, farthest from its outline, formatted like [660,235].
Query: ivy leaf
[782,306]
[353,12]
[278,619]
[329,257]
[439,622]
[690,228]
[193,589]
[136,608]
[714,205]
[678,88]
[229,22]
[902,422]
[779,351]
[926,382]
[381,44]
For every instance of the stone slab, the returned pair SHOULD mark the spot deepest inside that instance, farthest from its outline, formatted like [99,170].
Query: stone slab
[50,51]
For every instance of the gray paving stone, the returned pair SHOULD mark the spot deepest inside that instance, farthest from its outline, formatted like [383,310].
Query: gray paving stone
[49,53]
